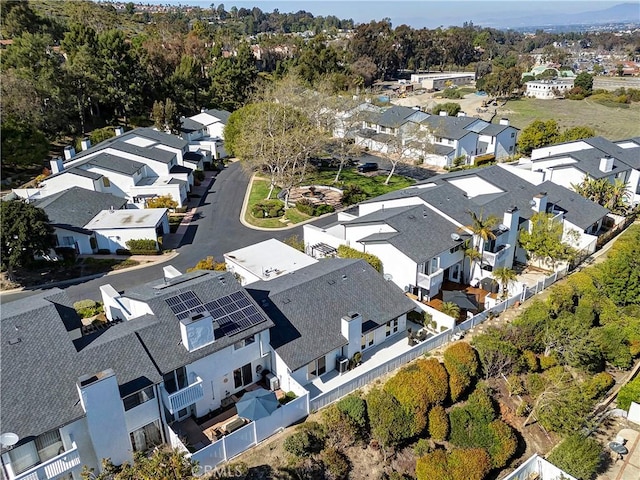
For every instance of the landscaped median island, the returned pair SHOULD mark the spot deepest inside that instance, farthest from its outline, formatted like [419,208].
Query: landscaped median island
[318,196]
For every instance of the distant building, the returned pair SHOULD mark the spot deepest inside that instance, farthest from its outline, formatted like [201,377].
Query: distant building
[439,81]
[548,89]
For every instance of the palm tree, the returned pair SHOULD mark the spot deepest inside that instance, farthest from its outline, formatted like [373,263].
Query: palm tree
[618,197]
[505,276]
[482,229]
[472,254]
[450,309]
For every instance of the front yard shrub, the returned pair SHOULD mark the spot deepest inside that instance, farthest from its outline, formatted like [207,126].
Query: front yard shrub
[288,396]
[268,209]
[355,408]
[578,456]
[68,254]
[307,207]
[143,246]
[348,252]
[629,393]
[88,308]
[459,464]
[353,193]
[342,431]
[336,463]
[438,423]
[123,251]
[198,175]
[461,362]
[104,251]
[308,439]
[163,201]
[209,263]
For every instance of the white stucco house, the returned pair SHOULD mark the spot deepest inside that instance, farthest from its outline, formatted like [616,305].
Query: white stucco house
[205,131]
[436,139]
[548,89]
[420,233]
[136,165]
[569,163]
[112,390]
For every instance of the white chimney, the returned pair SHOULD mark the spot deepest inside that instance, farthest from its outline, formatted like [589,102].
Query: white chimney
[606,164]
[416,107]
[197,331]
[85,144]
[351,329]
[202,110]
[69,152]
[504,121]
[170,272]
[119,131]
[57,165]
[462,114]
[539,202]
[443,113]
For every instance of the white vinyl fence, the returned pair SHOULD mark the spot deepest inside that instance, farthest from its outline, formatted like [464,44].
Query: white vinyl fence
[246,437]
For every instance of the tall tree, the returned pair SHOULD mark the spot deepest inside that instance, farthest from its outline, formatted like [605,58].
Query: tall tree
[481,228]
[543,240]
[232,79]
[505,276]
[537,134]
[25,232]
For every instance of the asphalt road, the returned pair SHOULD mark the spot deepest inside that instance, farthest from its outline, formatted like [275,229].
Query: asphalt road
[215,231]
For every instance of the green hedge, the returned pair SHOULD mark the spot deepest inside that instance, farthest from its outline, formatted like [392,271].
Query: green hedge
[348,252]
[142,247]
[268,209]
[307,207]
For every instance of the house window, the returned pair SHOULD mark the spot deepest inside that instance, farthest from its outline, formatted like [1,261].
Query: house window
[146,437]
[105,182]
[367,340]
[43,448]
[174,381]
[244,342]
[138,398]
[433,266]
[68,241]
[392,327]
[243,376]
[513,134]
[317,367]
[511,148]
[457,248]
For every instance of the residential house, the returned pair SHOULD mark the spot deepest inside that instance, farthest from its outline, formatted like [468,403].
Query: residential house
[325,313]
[265,260]
[205,131]
[172,349]
[114,228]
[70,210]
[548,89]
[436,139]
[420,232]
[538,468]
[136,165]
[569,163]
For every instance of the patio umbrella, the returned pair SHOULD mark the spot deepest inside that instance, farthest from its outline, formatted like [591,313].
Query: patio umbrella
[257,404]
[463,300]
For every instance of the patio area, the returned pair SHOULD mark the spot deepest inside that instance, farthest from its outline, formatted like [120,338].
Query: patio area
[479,293]
[371,358]
[197,435]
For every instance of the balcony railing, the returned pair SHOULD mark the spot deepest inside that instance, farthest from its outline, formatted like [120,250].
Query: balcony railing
[184,397]
[429,281]
[53,468]
[491,258]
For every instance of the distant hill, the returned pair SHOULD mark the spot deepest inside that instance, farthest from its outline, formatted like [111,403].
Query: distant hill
[623,12]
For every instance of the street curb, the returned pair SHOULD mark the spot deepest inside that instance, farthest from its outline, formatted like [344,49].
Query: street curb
[161,259]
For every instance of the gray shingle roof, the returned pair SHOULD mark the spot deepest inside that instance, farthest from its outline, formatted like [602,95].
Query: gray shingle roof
[161,137]
[494,129]
[85,173]
[448,127]
[152,153]
[307,306]
[395,116]
[422,233]
[39,373]
[517,192]
[222,115]
[162,339]
[76,206]
[115,163]
[190,125]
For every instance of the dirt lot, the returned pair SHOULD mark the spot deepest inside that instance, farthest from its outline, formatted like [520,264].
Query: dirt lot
[468,104]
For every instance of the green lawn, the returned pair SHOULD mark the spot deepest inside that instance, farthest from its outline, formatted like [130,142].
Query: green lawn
[371,185]
[614,123]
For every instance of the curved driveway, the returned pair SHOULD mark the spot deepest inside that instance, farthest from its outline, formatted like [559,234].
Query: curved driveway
[215,230]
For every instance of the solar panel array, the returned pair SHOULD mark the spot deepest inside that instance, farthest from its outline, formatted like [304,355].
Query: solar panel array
[234,313]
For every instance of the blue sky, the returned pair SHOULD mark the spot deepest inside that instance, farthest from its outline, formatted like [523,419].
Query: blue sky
[417,13]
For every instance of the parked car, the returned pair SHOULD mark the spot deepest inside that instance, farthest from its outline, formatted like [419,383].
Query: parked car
[368,167]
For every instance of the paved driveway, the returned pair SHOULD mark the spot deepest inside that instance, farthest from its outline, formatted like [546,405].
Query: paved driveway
[216,229]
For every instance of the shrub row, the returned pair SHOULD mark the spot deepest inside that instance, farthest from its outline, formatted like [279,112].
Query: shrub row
[142,246]
[268,209]
[307,207]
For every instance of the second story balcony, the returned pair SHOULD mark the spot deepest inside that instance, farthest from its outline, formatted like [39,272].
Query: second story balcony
[430,281]
[495,258]
[183,397]
[53,468]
